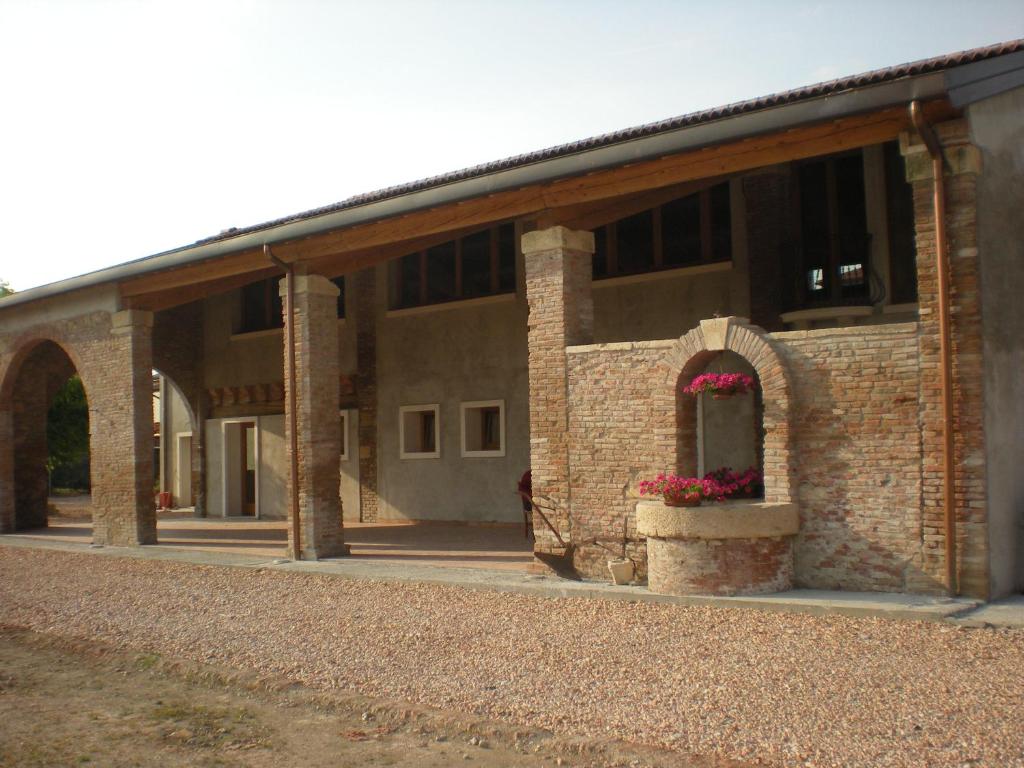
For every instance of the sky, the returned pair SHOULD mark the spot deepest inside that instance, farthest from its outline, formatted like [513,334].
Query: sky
[131,128]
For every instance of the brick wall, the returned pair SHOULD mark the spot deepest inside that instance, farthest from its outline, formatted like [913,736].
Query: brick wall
[856,456]
[847,448]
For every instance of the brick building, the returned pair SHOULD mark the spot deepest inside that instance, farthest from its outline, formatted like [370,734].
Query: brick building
[543,311]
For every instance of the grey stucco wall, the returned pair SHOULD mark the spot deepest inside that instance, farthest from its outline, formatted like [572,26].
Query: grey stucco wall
[997,128]
[448,356]
[659,306]
[177,419]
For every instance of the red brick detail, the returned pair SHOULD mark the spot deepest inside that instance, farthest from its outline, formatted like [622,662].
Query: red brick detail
[720,566]
[558,289]
[968,366]
[366,391]
[318,419]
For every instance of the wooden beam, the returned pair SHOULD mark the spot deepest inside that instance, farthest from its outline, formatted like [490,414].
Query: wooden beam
[637,178]
[596,214]
[154,302]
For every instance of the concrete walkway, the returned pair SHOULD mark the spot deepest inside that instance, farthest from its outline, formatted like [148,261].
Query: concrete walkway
[814,602]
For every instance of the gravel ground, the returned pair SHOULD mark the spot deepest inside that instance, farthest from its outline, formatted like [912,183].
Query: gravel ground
[773,688]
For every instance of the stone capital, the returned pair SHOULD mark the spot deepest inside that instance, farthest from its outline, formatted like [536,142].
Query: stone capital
[557,239]
[315,284]
[128,320]
[716,331]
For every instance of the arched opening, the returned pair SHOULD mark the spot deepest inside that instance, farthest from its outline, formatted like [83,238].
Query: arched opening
[49,410]
[730,428]
[731,431]
[176,467]
[720,433]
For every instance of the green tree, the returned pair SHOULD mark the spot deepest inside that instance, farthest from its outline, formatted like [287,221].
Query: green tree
[5,289]
[67,434]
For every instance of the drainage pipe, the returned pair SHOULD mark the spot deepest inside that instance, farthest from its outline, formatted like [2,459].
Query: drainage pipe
[924,129]
[293,418]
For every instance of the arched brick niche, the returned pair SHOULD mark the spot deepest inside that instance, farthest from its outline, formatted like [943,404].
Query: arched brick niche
[691,355]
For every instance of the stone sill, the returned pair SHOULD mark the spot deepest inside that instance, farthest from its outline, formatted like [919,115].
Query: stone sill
[880,329]
[621,346]
[480,301]
[827,313]
[900,309]
[661,274]
[744,519]
[251,335]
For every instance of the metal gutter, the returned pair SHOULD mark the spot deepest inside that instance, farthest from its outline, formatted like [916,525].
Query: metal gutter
[856,100]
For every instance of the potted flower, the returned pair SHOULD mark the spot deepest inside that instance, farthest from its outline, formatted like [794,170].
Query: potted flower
[747,484]
[622,567]
[720,385]
[677,491]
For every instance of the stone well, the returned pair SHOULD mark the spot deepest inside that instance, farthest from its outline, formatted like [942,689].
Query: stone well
[730,548]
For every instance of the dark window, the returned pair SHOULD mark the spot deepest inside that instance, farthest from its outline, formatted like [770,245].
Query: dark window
[476,264]
[340,282]
[490,429]
[635,243]
[506,259]
[899,198]
[680,231]
[690,230]
[441,273]
[831,264]
[480,264]
[262,306]
[427,444]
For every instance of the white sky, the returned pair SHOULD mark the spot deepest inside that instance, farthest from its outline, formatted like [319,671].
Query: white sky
[129,128]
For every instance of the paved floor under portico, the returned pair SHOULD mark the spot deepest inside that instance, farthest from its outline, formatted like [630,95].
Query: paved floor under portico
[455,545]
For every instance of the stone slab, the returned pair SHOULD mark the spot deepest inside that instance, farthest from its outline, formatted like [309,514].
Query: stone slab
[727,520]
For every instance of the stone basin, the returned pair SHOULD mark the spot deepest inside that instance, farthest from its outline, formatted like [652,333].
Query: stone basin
[742,547]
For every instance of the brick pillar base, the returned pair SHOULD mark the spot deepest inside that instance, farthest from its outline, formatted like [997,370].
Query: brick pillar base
[120,397]
[558,278]
[318,417]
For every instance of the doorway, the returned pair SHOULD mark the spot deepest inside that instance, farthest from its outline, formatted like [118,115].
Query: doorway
[241,461]
[183,469]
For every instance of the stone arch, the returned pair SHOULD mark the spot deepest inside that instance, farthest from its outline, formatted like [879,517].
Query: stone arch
[35,370]
[691,354]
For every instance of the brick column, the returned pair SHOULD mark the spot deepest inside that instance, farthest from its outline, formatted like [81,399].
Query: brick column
[6,471]
[318,418]
[120,394]
[366,391]
[768,202]
[963,163]
[558,265]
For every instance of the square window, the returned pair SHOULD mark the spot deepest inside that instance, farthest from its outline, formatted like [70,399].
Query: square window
[483,428]
[419,432]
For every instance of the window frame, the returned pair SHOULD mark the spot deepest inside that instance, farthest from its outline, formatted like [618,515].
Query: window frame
[423,291]
[435,409]
[832,294]
[706,231]
[482,405]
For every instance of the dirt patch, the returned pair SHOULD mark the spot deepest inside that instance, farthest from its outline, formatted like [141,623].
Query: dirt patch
[72,703]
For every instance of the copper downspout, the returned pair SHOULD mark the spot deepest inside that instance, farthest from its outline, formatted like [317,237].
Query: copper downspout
[945,346]
[293,421]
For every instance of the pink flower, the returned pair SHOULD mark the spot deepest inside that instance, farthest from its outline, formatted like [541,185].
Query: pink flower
[720,383]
